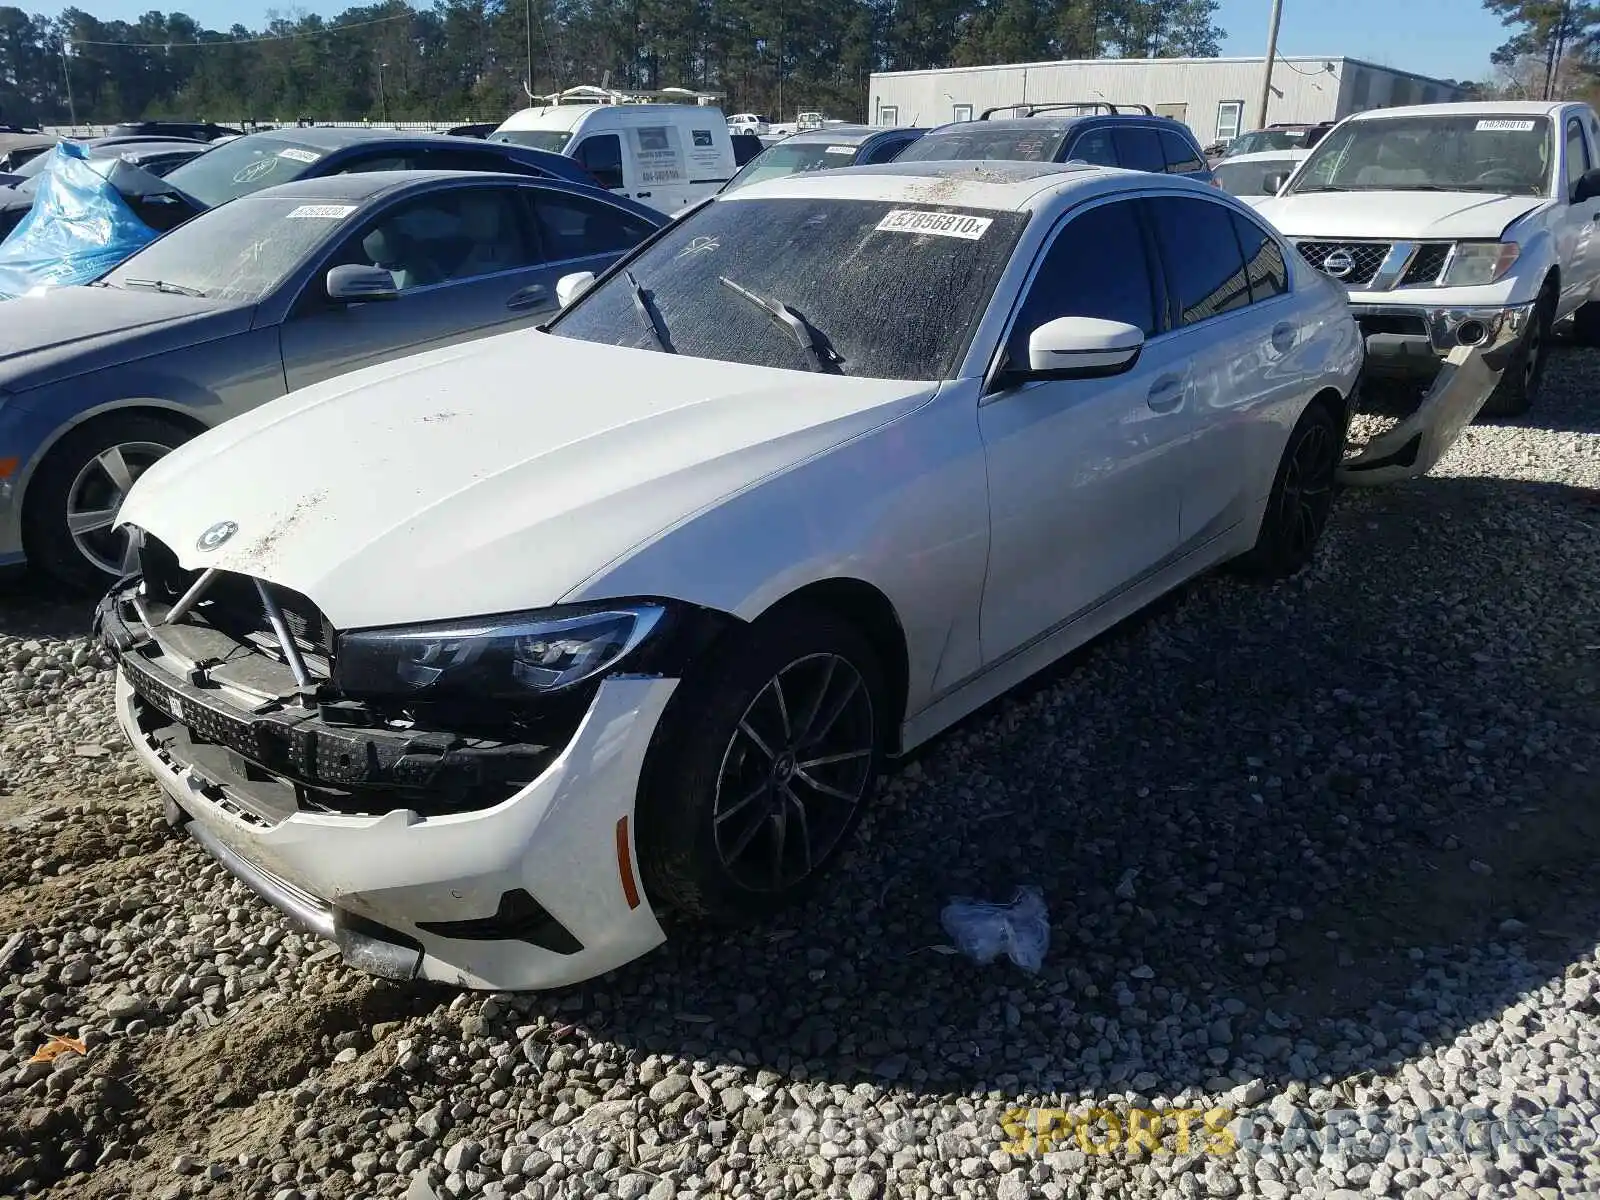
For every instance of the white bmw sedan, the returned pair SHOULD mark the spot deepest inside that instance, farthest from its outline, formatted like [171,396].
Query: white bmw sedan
[477,661]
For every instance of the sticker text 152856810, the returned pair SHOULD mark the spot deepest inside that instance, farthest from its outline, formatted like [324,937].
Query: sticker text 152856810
[944,224]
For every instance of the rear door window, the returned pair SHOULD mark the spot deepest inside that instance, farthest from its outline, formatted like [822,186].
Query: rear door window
[1182,157]
[1204,266]
[1139,148]
[601,155]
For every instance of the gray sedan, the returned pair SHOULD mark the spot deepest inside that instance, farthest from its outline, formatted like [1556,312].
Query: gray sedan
[275,291]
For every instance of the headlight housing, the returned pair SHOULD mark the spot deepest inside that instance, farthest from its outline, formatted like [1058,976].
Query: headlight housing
[1477,263]
[515,656]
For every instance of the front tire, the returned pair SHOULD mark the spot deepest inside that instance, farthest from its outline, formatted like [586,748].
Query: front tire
[74,496]
[762,767]
[1524,375]
[1301,499]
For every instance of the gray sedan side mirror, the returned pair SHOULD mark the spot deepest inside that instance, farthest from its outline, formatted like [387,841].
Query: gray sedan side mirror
[570,287]
[355,284]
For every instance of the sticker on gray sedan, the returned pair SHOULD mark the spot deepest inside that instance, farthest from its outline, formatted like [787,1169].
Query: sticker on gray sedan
[327,212]
[956,225]
[295,154]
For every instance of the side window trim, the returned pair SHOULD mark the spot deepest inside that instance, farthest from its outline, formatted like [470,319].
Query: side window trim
[1152,267]
[1284,250]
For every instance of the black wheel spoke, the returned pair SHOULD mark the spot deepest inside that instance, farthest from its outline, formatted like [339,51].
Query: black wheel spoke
[834,710]
[742,843]
[827,789]
[816,703]
[783,706]
[829,759]
[739,806]
[805,827]
[744,728]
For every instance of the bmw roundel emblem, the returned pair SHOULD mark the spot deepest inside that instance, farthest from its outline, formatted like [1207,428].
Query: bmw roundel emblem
[216,535]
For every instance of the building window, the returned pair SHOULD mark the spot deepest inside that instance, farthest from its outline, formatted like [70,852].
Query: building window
[1360,89]
[888,114]
[1229,114]
[961,112]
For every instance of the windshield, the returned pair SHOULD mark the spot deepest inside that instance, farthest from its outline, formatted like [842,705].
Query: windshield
[237,252]
[791,158]
[975,141]
[1263,140]
[1250,179]
[242,166]
[553,140]
[1471,153]
[890,292]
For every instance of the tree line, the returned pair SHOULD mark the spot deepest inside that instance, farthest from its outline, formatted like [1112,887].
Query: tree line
[461,59]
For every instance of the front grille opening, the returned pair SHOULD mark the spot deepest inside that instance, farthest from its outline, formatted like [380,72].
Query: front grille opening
[1426,265]
[1394,323]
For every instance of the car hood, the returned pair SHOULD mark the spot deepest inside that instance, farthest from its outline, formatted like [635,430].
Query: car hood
[1447,215]
[68,331]
[492,476]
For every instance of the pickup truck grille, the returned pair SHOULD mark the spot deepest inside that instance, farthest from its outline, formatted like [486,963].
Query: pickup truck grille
[1426,265]
[1353,264]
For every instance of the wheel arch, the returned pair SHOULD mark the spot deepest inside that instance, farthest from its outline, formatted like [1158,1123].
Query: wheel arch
[166,410]
[874,614]
[178,414]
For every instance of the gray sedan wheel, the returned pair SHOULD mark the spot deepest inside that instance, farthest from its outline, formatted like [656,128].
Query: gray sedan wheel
[73,498]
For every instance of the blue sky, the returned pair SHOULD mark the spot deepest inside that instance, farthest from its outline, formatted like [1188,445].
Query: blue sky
[1445,38]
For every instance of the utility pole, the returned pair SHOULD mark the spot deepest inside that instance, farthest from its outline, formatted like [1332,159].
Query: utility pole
[1272,52]
[383,95]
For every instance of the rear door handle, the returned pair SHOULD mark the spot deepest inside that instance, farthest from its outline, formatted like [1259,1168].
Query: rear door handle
[1165,394]
[1283,337]
[642,196]
[529,297]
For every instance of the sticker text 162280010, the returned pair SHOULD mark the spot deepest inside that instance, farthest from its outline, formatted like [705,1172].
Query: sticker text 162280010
[944,224]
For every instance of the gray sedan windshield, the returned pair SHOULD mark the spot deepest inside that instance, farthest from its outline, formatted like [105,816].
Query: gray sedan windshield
[1477,152]
[867,288]
[238,252]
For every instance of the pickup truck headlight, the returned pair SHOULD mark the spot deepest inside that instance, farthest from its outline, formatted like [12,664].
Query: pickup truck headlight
[520,655]
[1476,263]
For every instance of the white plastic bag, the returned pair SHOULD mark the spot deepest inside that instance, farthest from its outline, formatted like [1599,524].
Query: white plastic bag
[982,931]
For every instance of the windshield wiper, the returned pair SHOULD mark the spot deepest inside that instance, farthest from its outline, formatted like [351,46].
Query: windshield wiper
[822,356]
[641,301]
[165,288]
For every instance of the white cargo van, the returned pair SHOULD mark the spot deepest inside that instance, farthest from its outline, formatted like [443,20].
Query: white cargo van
[663,155]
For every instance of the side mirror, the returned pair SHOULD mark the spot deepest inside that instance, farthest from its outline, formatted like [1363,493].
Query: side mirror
[570,287]
[1273,183]
[354,284]
[1587,187]
[1082,348]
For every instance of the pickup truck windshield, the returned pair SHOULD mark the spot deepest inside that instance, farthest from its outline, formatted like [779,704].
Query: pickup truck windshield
[870,288]
[1507,154]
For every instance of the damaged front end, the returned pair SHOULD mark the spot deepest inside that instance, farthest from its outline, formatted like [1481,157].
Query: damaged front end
[407,828]
[1414,446]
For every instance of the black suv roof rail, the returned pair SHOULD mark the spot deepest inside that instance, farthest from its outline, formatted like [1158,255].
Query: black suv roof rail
[1028,110]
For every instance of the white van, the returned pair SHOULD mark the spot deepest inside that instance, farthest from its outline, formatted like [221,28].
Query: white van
[664,155]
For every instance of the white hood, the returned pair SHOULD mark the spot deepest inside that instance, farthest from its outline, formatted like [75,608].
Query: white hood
[1396,215]
[488,477]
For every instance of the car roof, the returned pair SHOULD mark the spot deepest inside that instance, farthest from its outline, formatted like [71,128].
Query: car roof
[361,186]
[1468,108]
[846,134]
[337,137]
[116,147]
[1001,185]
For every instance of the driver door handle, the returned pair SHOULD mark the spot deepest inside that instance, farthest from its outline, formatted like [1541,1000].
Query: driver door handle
[1165,394]
[531,296]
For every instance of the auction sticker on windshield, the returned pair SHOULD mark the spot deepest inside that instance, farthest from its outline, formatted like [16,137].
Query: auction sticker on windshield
[840,150]
[956,225]
[296,154]
[1505,126]
[328,212]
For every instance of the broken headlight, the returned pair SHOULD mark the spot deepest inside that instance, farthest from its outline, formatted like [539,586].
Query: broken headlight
[504,657]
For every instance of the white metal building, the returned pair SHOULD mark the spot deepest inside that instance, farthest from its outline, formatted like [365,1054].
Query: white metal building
[1215,97]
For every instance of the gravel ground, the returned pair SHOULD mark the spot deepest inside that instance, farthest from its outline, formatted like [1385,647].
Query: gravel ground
[1319,861]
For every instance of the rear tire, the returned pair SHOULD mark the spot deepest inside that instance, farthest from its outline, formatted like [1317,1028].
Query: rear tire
[761,768]
[1524,375]
[1301,498]
[74,495]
